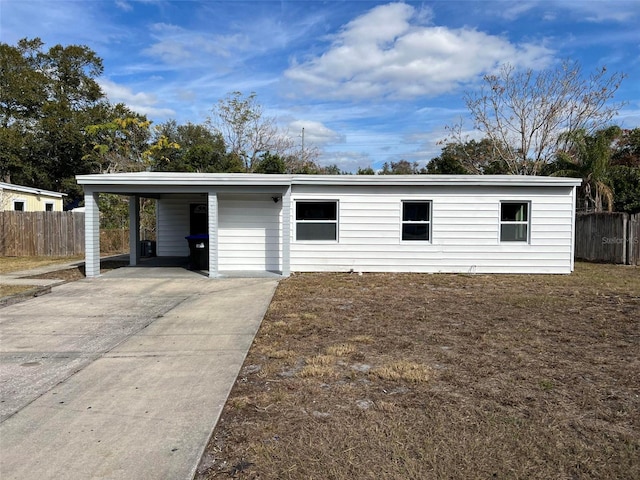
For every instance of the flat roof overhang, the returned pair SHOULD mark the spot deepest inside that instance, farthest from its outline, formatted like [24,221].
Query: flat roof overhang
[173,182]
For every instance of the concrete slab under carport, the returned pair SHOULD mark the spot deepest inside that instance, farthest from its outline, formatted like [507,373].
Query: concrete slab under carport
[122,376]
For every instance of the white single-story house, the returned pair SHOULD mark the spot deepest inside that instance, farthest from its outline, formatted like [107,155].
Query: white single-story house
[342,223]
[27,199]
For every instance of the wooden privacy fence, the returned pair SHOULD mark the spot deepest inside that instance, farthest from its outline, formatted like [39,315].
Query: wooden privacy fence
[54,234]
[41,234]
[608,237]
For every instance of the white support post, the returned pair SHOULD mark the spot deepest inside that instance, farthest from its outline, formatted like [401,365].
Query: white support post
[212,207]
[134,230]
[573,229]
[91,234]
[286,232]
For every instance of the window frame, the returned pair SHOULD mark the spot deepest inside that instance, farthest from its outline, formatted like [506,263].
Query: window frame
[526,223]
[17,201]
[428,223]
[51,206]
[335,222]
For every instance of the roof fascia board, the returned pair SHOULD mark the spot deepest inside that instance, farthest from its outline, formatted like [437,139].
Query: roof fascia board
[438,180]
[195,181]
[34,191]
[185,180]
[153,191]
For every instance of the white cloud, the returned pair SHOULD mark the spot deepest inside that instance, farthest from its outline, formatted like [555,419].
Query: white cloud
[315,133]
[616,11]
[347,161]
[593,11]
[144,103]
[63,22]
[124,5]
[514,10]
[387,53]
[629,117]
[178,47]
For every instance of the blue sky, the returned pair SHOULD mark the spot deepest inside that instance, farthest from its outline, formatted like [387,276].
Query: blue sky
[370,82]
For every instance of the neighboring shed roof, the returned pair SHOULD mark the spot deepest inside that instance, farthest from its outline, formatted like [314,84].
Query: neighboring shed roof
[33,191]
[252,179]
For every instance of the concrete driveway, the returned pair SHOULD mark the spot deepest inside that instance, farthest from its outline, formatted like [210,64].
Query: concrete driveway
[123,376]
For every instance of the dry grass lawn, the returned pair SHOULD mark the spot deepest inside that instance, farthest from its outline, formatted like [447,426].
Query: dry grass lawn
[16,264]
[406,376]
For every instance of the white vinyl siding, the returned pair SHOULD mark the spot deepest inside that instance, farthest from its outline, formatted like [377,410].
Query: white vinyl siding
[464,231]
[465,225]
[249,234]
[173,224]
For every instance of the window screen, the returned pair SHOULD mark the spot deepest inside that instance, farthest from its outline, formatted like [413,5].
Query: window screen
[416,221]
[317,221]
[514,222]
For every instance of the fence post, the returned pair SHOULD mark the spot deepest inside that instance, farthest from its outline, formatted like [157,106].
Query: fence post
[3,234]
[633,239]
[625,238]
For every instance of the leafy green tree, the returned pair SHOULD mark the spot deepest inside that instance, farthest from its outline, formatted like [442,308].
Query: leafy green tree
[208,159]
[120,144]
[589,157]
[23,82]
[627,148]
[331,170]
[449,162]
[365,171]
[625,171]
[625,182]
[201,150]
[269,163]
[445,165]
[401,167]
[46,100]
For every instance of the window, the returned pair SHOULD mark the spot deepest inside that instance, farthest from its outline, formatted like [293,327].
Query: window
[514,221]
[198,218]
[48,207]
[18,205]
[317,221]
[416,221]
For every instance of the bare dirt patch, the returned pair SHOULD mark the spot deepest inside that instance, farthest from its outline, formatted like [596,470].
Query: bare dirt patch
[439,376]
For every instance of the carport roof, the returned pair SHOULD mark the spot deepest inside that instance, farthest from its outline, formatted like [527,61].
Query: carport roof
[167,179]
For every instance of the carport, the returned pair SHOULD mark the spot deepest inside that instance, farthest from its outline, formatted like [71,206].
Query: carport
[248,223]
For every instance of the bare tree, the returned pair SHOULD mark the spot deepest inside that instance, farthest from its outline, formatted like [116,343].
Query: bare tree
[303,160]
[246,131]
[528,116]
